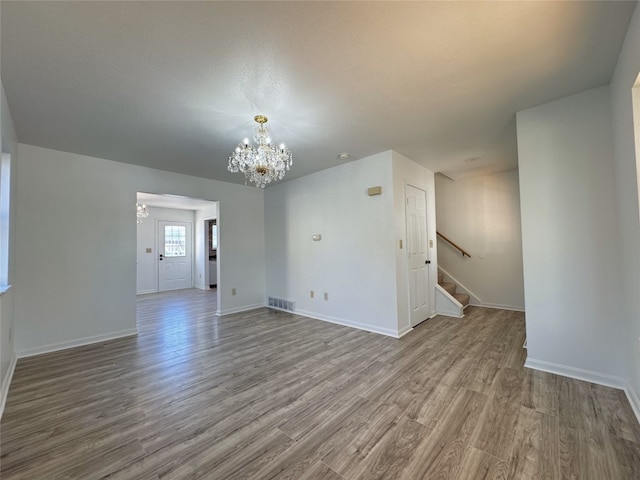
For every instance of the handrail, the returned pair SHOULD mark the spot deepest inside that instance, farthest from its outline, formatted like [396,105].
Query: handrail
[457,247]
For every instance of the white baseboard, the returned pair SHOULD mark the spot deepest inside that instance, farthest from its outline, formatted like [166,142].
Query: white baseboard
[79,342]
[589,376]
[501,307]
[200,287]
[403,331]
[6,383]
[349,323]
[634,400]
[245,308]
[577,373]
[144,292]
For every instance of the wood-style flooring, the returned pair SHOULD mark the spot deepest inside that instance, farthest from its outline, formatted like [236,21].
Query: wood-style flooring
[273,395]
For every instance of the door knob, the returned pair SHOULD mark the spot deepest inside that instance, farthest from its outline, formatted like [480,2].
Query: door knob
[427,262]
[161,257]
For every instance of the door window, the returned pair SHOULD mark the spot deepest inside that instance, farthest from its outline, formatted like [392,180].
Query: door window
[175,239]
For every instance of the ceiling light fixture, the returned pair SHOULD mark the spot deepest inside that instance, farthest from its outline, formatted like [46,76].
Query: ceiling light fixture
[141,212]
[263,163]
[344,156]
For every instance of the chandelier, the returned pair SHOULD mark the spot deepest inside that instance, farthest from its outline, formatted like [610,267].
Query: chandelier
[141,212]
[263,163]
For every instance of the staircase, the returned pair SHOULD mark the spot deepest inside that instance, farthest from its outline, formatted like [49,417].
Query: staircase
[463,298]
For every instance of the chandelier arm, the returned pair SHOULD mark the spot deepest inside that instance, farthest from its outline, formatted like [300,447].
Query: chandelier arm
[263,163]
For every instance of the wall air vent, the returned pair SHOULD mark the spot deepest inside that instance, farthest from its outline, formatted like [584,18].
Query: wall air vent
[281,304]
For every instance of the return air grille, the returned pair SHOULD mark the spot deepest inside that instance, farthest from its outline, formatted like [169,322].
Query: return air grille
[282,304]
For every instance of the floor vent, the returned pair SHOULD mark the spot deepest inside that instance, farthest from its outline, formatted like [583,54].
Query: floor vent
[281,304]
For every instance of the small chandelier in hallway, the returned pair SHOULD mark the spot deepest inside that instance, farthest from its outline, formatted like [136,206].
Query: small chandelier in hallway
[141,212]
[263,163]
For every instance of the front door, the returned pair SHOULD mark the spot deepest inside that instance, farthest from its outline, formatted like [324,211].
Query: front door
[416,201]
[174,256]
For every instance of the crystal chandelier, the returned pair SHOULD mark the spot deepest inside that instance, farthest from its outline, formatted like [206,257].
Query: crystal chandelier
[141,212]
[263,163]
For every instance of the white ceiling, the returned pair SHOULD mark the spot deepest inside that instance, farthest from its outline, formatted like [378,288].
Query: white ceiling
[175,85]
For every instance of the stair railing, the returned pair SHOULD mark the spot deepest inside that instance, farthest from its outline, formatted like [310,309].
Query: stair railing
[454,245]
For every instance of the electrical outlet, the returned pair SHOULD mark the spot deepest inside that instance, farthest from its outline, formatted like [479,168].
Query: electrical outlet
[148,250]
[326,295]
[311,294]
[233,291]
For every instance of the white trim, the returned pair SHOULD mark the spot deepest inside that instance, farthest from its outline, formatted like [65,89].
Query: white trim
[201,287]
[348,323]
[589,376]
[577,373]
[474,299]
[501,307]
[449,301]
[403,331]
[230,311]
[144,292]
[79,342]
[6,382]
[634,400]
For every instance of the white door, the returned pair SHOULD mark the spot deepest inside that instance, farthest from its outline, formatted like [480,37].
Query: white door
[175,258]
[416,201]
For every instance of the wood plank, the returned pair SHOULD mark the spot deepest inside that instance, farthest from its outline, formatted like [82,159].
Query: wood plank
[268,394]
[478,465]
[497,427]
[536,449]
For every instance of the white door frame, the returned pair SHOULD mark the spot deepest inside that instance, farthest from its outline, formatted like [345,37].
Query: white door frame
[205,262]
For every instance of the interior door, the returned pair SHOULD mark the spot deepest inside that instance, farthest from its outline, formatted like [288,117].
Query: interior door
[175,257]
[416,203]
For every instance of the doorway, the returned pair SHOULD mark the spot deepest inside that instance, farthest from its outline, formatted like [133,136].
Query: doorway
[418,254]
[175,211]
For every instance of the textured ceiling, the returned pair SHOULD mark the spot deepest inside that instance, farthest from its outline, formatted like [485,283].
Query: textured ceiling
[175,85]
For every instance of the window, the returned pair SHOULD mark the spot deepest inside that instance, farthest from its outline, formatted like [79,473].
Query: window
[5,186]
[175,240]
[213,235]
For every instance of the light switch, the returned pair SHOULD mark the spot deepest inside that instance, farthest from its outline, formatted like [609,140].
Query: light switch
[148,250]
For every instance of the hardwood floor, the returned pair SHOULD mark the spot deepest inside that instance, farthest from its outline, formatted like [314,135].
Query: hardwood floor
[272,395]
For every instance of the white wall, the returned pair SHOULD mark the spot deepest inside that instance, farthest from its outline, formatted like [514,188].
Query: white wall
[571,236]
[7,315]
[626,156]
[358,262]
[147,231]
[355,260]
[406,171]
[482,215]
[76,245]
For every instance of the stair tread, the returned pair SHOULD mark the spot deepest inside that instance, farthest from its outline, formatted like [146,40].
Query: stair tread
[449,287]
[463,298]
